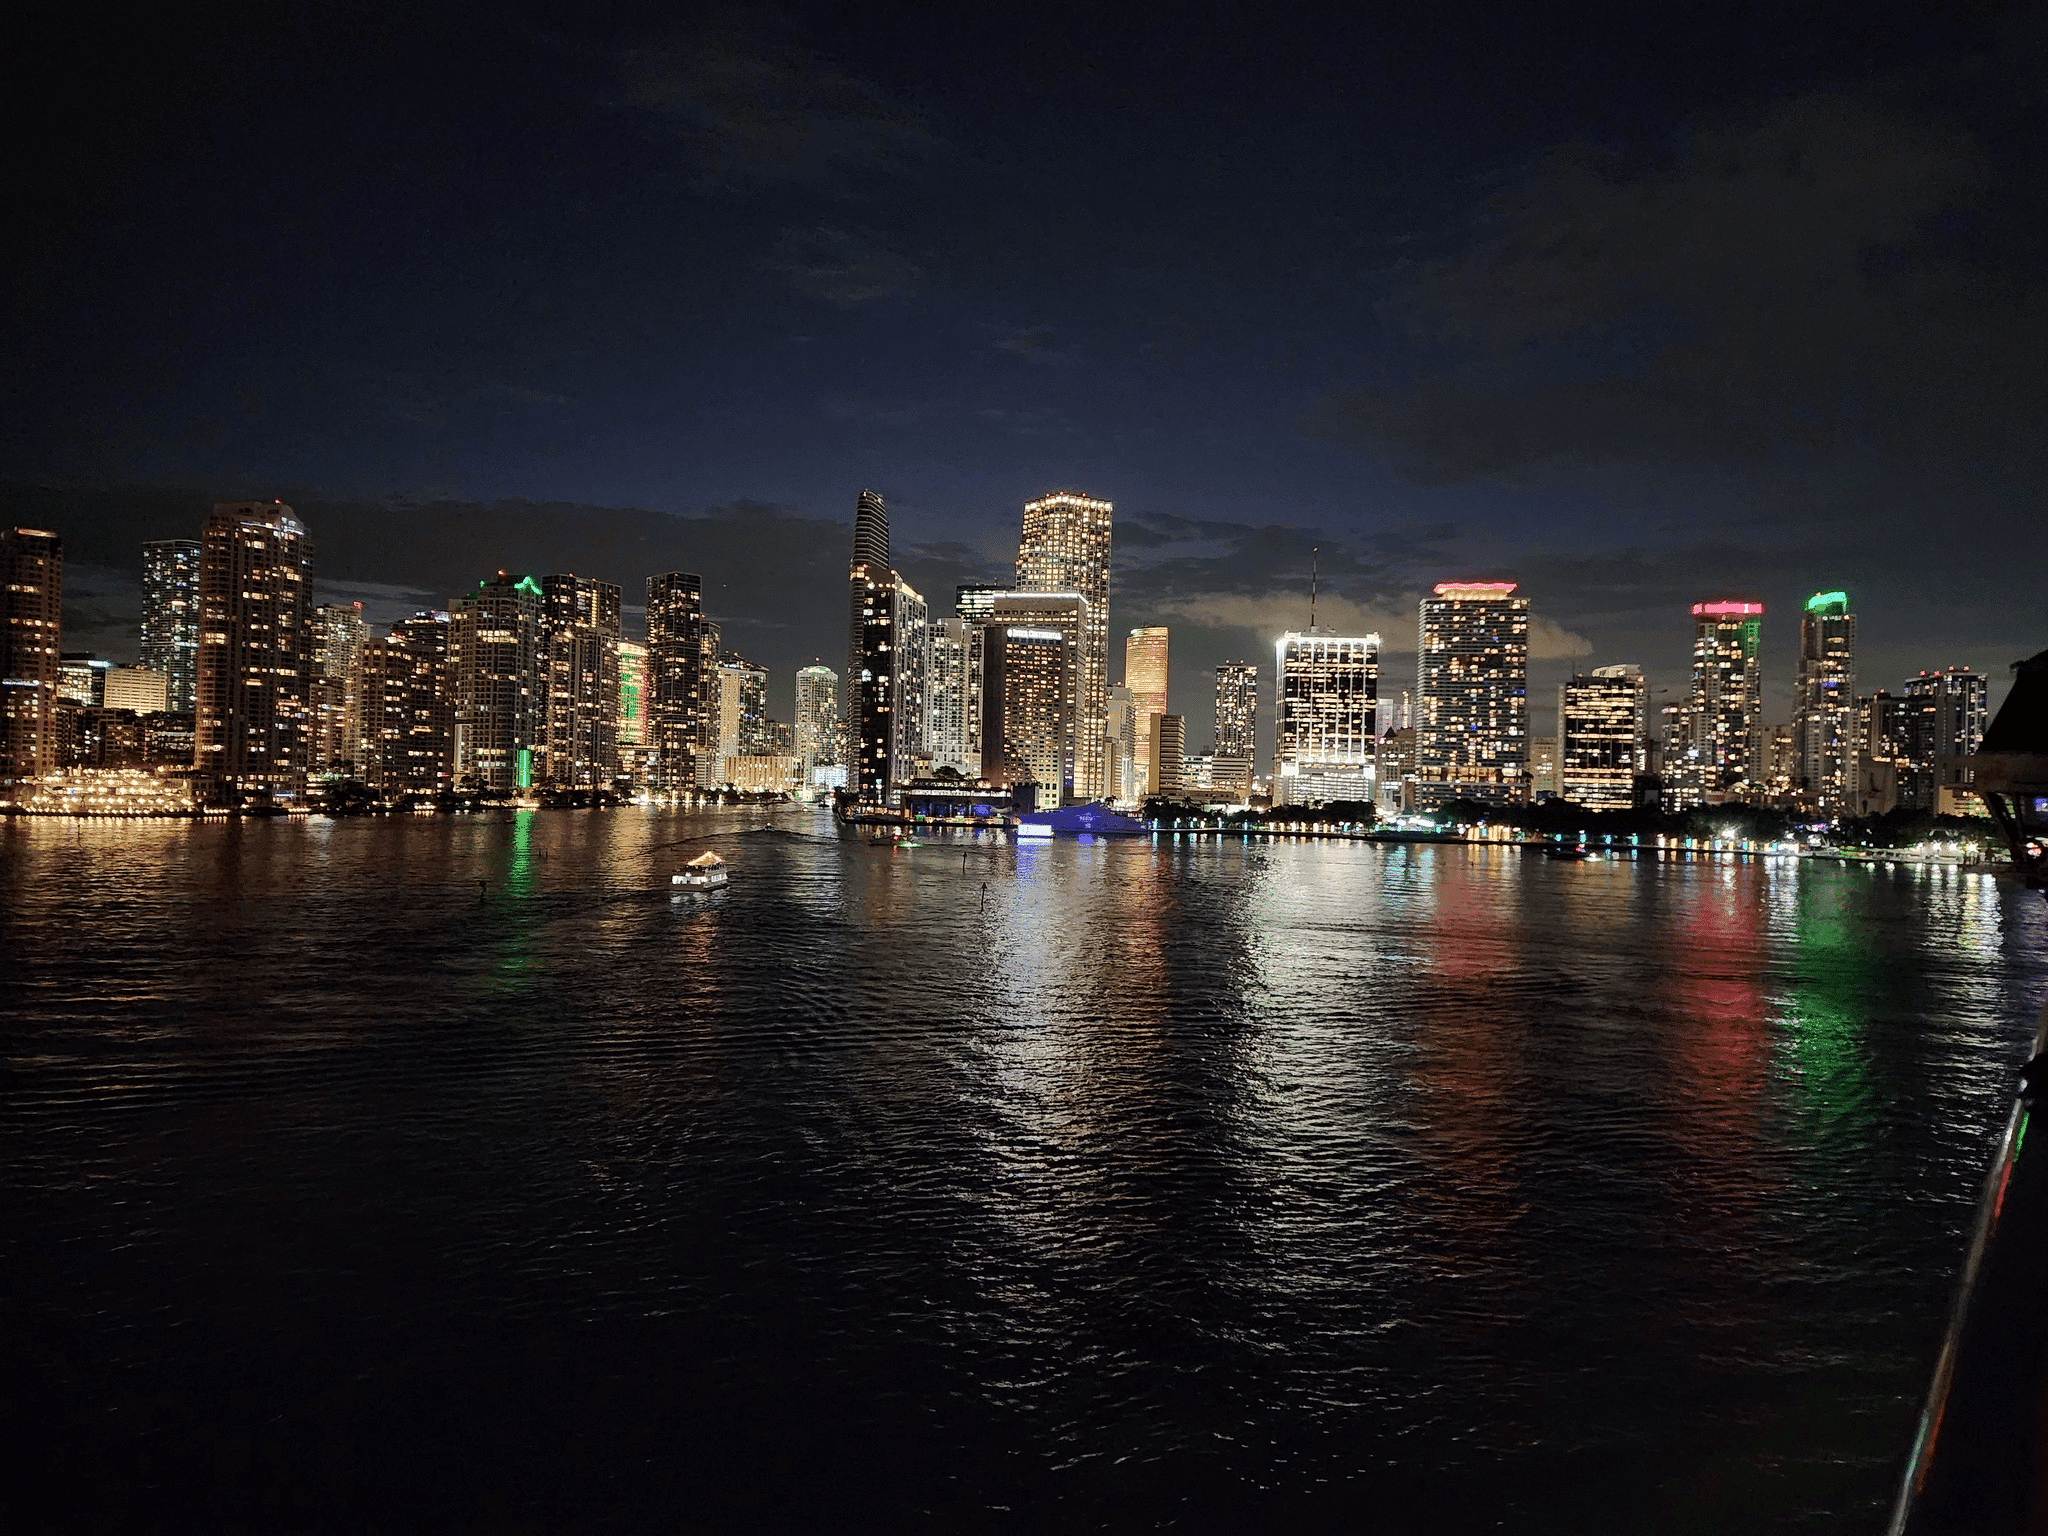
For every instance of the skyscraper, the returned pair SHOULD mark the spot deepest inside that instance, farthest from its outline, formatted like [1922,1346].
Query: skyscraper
[1122,745]
[581,622]
[1600,728]
[1167,755]
[333,713]
[31,632]
[1824,714]
[1145,676]
[872,680]
[817,713]
[1727,696]
[1325,746]
[1237,726]
[954,713]
[973,599]
[675,679]
[739,710]
[500,648]
[407,688]
[1065,548]
[910,711]
[1472,727]
[170,617]
[255,608]
[1943,716]
[1027,683]
[633,710]
[1068,614]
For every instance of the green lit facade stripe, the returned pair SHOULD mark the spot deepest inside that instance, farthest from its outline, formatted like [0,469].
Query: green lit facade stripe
[1828,602]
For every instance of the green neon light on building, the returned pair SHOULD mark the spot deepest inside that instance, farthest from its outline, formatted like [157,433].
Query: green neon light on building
[523,772]
[1824,602]
[528,584]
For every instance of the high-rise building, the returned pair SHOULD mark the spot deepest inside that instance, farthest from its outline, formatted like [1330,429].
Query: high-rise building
[1824,714]
[1167,757]
[1065,548]
[740,711]
[1237,727]
[1122,738]
[954,730]
[170,616]
[581,621]
[1067,613]
[1727,697]
[911,677]
[675,679]
[1472,731]
[1396,769]
[1027,683]
[817,713]
[1884,766]
[973,600]
[1325,746]
[255,610]
[141,689]
[1601,722]
[333,712]
[31,631]
[407,688]
[500,647]
[82,678]
[1145,675]
[872,680]
[1942,719]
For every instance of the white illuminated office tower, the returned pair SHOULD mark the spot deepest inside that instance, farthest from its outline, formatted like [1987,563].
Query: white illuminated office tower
[953,713]
[1725,727]
[255,611]
[1237,727]
[817,715]
[1824,714]
[1326,699]
[1472,725]
[1600,730]
[1066,614]
[499,642]
[170,617]
[1145,657]
[1065,548]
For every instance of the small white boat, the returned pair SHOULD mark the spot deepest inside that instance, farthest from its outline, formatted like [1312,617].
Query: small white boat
[704,874]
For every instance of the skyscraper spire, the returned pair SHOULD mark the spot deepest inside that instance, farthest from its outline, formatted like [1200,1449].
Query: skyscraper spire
[1315,562]
[871,531]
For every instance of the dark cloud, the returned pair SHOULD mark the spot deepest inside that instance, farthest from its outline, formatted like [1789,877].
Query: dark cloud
[843,267]
[1842,273]
[751,106]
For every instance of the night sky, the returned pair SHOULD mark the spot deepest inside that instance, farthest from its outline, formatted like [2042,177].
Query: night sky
[1636,305]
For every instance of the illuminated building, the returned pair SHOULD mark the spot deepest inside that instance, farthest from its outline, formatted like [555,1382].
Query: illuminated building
[1942,720]
[1068,613]
[632,712]
[763,772]
[872,681]
[1326,705]
[1824,712]
[1472,726]
[333,713]
[1166,757]
[499,641]
[953,731]
[170,617]
[1601,723]
[82,677]
[1727,713]
[1121,743]
[817,715]
[31,629]
[739,707]
[1026,682]
[675,679]
[255,612]
[142,689]
[407,693]
[1542,767]
[972,600]
[1145,675]
[912,639]
[1237,727]
[167,739]
[1065,548]
[1395,767]
[581,622]
[1883,762]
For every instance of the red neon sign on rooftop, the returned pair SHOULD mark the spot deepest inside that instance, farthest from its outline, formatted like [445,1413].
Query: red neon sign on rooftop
[1445,588]
[1728,610]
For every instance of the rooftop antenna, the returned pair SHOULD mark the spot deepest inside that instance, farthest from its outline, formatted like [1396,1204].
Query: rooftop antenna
[1315,553]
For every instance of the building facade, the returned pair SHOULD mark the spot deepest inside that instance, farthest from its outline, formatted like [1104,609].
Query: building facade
[675,680]
[1145,665]
[1601,724]
[141,689]
[499,639]
[817,716]
[250,728]
[1167,755]
[1326,708]
[1236,746]
[1068,613]
[170,617]
[31,634]
[1065,547]
[873,683]
[581,621]
[333,713]
[407,690]
[1472,707]
[1942,717]
[953,716]
[1726,724]
[1824,712]
[1027,682]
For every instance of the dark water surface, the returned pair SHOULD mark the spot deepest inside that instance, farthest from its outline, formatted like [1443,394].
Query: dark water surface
[1183,1187]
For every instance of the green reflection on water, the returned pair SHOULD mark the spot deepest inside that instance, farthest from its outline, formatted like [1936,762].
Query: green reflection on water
[1836,979]
[517,950]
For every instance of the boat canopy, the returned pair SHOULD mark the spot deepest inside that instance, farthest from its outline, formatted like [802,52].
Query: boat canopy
[706,860]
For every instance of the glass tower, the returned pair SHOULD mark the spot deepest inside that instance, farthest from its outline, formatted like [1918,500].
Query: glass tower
[500,650]
[817,715]
[1472,726]
[170,617]
[1727,711]
[1325,746]
[1237,726]
[255,624]
[1824,715]
[581,620]
[1145,675]
[31,632]
[1600,728]
[675,679]
[1065,548]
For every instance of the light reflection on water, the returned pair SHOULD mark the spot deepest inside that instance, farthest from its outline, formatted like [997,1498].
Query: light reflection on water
[1187,1182]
